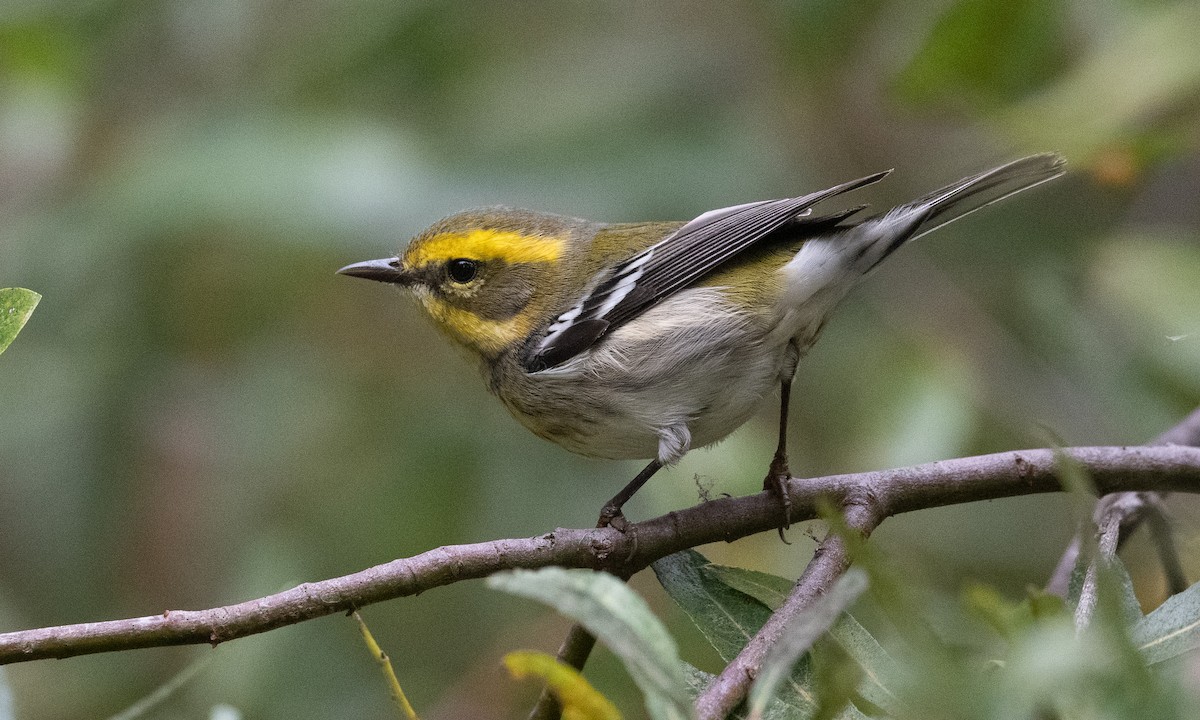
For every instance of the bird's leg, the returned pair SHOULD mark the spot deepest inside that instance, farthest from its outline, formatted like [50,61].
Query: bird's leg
[610,514]
[778,474]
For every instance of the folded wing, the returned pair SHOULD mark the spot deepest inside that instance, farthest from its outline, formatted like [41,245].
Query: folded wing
[674,263]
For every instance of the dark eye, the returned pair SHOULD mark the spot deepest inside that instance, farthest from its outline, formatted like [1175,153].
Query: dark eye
[462,270]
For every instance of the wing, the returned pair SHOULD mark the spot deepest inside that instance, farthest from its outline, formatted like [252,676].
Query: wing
[675,262]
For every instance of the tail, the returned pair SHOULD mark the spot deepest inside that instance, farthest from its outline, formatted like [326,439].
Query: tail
[942,207]
[829,264]
[978,191]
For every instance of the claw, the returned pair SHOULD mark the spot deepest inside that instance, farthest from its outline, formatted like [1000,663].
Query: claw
[776,484]
[611,516]
[619,523]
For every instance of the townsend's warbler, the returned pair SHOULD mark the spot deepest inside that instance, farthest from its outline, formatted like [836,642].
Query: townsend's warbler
[643,340]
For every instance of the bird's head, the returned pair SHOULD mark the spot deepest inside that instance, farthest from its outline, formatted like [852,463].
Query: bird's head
[487,277]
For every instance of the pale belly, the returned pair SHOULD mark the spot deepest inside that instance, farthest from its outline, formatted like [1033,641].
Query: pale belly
[658,387]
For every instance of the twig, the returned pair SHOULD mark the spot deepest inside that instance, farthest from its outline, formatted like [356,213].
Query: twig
[1133,509]
[828,563]
[1105,551]
[1060,579]
[574,652]
[947,482]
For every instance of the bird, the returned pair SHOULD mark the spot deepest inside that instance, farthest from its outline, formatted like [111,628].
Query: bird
[644,340]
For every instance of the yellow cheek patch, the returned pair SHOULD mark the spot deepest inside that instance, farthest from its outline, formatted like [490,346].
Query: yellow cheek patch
[484,244]
[487,336]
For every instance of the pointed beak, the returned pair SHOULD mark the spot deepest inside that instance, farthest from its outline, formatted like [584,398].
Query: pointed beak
[384,270]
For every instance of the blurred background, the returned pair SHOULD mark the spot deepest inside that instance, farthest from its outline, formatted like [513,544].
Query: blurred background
[200,412]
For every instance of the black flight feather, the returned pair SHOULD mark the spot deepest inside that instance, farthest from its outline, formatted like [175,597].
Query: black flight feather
[674,263]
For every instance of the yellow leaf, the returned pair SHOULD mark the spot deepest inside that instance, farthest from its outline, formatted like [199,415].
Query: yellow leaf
[579,700]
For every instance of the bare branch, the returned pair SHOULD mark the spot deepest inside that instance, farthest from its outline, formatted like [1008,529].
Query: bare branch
[1132,509]
[1025,472]
[1104,552]
[828,564]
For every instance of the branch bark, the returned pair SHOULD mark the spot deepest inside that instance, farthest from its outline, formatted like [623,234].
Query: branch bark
[829,562]
[1024,472]
[1130,509]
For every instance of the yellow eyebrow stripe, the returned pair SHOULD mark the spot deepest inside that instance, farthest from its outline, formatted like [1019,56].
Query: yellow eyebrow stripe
[486,244]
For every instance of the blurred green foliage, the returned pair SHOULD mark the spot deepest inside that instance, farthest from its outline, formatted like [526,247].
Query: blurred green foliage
[16,305]
[203,413]
[1016,660]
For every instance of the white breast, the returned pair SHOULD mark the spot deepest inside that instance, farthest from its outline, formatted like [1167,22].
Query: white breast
[684,374]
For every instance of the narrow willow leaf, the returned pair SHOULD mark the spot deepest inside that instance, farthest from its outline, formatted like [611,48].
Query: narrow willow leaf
[696,680]
[399,699]
[1008,618]
[579,700]
[1172,629]
[800,634]
[1131,609]
[16,305]
[879,669]
[620,619]
[836,678]
[770,590]
[728,618]
[850,713]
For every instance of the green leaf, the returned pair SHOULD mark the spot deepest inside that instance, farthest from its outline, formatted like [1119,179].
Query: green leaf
[987,53]
[1131,609]
[770,590]
[879,669]
[1125,85]
[1116,578]
[837,678]
[16,305]
[728,618]
[1170,630]
[1009,619]
[800,634]
[620,619]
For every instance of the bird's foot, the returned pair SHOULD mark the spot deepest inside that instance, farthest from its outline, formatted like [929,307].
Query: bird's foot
[611,516]
[776,484]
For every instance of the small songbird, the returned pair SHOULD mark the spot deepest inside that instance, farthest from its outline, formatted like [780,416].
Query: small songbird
[644,340]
